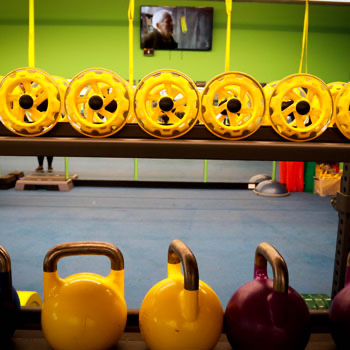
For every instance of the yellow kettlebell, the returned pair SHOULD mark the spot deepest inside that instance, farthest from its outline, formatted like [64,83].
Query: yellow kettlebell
[84,311]
[181,312]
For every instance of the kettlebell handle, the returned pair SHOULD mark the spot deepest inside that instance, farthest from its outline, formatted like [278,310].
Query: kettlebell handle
[266,252]
[347,273]
[5,261]
[5,272]
[84,248]
[179,252]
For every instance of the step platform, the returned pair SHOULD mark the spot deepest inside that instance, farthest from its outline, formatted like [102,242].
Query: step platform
[8,181]
[52,182]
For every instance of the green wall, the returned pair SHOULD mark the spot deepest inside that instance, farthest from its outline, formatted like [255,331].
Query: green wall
[265,40]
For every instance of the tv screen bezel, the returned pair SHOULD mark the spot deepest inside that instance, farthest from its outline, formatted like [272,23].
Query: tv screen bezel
[191,7]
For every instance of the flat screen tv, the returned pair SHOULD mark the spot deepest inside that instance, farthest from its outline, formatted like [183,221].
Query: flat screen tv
[176,28]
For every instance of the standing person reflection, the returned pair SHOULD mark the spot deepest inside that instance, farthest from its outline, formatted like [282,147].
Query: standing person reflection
[161,37]
[40,168]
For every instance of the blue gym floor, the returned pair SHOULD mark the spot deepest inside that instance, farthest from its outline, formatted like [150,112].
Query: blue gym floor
[222,227]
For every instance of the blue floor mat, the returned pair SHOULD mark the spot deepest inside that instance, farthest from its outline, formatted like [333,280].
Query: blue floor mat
[222,228]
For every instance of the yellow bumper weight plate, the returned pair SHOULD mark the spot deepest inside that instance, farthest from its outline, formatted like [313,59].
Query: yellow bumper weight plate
[233,105]
[29,102]
[131,118]
[62,87]
[97,102]
[342,116]
[335,88]
[166,104]
[268,88]
[301,107]
[200,117]
[29,298]
[299,91]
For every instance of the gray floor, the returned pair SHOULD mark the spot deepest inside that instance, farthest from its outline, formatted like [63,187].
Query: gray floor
[148,169]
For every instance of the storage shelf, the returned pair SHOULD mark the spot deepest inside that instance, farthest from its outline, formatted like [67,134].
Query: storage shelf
[199,143]
[30,337]
[34,340]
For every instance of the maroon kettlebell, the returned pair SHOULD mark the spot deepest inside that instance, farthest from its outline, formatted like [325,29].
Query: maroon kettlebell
[267,314]
[339,313]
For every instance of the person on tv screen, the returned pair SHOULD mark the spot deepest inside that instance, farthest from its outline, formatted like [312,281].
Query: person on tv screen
[161,37]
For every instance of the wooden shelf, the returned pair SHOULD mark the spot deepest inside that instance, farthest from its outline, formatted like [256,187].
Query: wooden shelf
[199,143]
[29,336]
[34,340]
